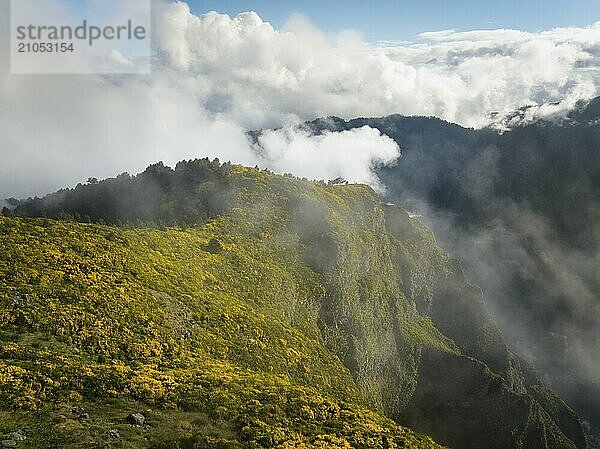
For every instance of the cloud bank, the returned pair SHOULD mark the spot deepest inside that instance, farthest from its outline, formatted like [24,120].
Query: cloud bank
[215,77]
[262,76]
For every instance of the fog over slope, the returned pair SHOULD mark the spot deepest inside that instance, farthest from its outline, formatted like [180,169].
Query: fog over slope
[522,210]
[216,76]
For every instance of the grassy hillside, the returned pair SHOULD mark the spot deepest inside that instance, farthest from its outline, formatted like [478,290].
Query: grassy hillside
[287,314]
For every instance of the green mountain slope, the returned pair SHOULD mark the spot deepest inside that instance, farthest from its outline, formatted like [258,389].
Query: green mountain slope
[521,209]
[280,313]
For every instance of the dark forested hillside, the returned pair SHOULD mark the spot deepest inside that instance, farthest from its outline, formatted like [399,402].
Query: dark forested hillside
[521,209]
[190,193]
[293,315]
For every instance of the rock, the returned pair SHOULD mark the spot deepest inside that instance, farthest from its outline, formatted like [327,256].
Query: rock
[113,433]
[20,299]
[136,419]
[15,436]
[214,246]
[186,334]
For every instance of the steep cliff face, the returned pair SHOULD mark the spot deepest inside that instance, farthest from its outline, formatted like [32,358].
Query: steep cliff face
[291,314]
[421,346]
[521,210]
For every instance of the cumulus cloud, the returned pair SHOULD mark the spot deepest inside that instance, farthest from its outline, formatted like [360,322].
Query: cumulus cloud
[261,75]
[214,77]
[347,154]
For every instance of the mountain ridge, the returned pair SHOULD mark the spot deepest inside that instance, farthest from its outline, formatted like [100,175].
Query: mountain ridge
[520,208]
[342,304]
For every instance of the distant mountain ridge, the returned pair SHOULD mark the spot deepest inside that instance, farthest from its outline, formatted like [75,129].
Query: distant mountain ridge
[583,113]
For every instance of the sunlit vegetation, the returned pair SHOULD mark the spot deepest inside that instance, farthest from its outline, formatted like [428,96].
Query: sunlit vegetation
[216,328]
[233,308]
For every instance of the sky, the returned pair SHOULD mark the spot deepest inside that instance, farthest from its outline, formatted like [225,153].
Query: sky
[379,20]
[218,76]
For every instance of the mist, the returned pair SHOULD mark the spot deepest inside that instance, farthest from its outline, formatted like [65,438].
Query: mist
[521,211]
[215,77]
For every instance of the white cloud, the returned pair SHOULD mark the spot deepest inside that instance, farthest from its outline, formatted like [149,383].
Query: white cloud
[263,77]
[118,59]
[217,76]
[347,154]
